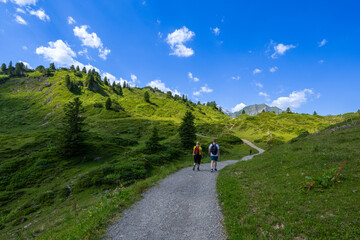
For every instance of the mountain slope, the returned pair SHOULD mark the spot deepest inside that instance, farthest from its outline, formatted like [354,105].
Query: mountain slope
[255,109]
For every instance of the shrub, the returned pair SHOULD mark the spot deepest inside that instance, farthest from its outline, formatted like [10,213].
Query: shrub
[98,105]
[78,74]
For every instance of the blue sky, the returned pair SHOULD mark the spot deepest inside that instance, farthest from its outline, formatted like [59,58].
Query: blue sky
[299,54]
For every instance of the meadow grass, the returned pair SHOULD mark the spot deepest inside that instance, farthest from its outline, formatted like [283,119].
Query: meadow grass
[265,198]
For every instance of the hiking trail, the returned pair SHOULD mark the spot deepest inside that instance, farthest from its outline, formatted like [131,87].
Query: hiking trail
[182,206]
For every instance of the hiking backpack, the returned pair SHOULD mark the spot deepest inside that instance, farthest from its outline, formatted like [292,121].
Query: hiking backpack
[197,151]
[213,149]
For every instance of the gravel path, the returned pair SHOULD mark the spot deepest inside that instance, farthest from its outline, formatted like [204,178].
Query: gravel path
[182,206]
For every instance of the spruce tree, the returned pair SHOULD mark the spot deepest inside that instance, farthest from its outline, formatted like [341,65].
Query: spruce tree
[84,70]
[3,68]
[147,97]
[288,110]
[73,132]
[78,68]
[108,104]
[19,69]
[152,144]
[10,69]
[68,82]
[187,130]
[52,67]
[168,94]
[315,113]
[120,91]
[243,111]
[40,68]
[106,81]
[72,68]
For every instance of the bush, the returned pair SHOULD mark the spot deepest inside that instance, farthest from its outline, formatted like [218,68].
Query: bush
[98,105]
[78,74]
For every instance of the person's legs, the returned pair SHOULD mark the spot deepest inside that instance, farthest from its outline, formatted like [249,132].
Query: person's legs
[215,162]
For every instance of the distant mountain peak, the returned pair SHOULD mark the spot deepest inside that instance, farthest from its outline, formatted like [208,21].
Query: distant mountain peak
[255,109]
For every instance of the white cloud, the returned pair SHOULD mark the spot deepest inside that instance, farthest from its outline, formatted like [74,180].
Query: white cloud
[256,71]
[70,20]
[273,69]
[104,52]
[294,100]
[25,48]
[87,39]
[19,10]
[259,85]
[20,20]
[134,79]
[279,49]
[161,86]
[111,78]
[323,42]
[203,89]
[195,79]
[3,1]
[177,39]
[235,77]
[160,34]
[264,94]
[40,14]
[60,53]
[24,2]
[215,31]
[238,107]
[27,65]
[158,21]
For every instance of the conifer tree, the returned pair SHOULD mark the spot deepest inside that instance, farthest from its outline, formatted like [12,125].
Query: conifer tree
[10,69]
[120,91]
[52,67]
[84,70]
[187,130]
[19,69]
[3,68]
[168,94]
[315,113]
[288,110]
[78,68]
[72,68]
[73,132]
[147,97]
[108,104]
[68,82]
[40,68]
[243,111]
[152,144]
[106,81]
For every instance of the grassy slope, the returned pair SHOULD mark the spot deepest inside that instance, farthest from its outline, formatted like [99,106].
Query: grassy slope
[264,199]
[34,180]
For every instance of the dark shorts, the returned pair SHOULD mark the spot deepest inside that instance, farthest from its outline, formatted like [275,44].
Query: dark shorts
[197,159]
[214,158]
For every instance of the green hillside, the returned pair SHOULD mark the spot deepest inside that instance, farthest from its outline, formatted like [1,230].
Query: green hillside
[43,194]
[267,198]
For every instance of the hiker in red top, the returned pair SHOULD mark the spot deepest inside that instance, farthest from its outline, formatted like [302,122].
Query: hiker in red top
[197,153]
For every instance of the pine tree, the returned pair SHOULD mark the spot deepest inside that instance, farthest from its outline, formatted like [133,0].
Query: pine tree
[84,70]
[120,91]
[52,67]
[263,111]
[68,82]
[315,113]
[152,144]
[40,68]
[198,103]
[108,104]
[243,111]
[72,132]
[3,68]
[124,84]
[19,69]
[10,69]
[106,81]
[147,97]
[169,94]
[187,130]
[288,110]
[78,68]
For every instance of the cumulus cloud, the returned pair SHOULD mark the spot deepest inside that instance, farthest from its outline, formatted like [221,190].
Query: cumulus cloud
[263,94]
[195,79]
[3,1]
[60,53]
[215,31]
[111,78]
[273,69]
[278,49]
[256,71]
[238,107]
[103,53]
[235,78]
[23,2]
[20,20]
[70,20]
[40,14]
[177,39]
[88,39]
[19,10]
[323,42]
[295,99]
[203,89]
[259,85]
[161,86]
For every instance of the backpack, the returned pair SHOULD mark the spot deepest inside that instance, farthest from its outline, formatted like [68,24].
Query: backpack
[213,149]
[197,151]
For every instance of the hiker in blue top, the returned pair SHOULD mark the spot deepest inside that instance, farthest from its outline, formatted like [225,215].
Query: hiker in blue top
[214,152]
